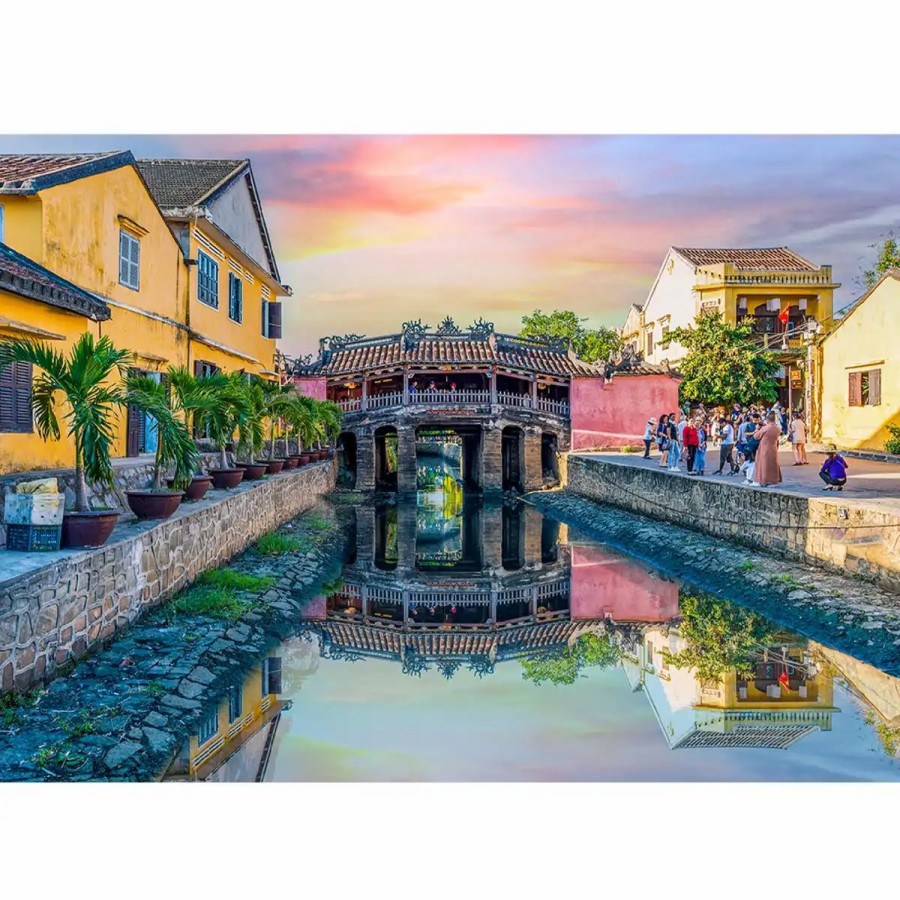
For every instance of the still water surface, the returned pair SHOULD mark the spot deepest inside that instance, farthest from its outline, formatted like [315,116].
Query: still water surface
[469,642]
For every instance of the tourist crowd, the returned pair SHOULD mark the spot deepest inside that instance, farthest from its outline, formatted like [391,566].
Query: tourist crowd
[746,438]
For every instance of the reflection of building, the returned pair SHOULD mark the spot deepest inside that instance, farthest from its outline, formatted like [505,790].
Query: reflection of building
[786,698]
[234,740]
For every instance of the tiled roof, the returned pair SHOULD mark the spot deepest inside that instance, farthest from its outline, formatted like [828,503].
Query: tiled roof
[775,737]
[504,350]
[179,183]
[782,258]
[26,173]
[23,276]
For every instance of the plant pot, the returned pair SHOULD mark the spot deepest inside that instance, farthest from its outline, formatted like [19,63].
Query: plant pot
[225,479]
[88,529]
[253,471]
[320,455]
[275,466]
[305,458]
[291,463]
[154,504]
[198,487]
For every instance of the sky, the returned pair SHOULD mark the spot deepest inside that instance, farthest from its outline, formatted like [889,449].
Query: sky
[371,231]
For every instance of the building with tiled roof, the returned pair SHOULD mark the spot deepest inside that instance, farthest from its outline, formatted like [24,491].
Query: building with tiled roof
[532,396]
[779,290]
[30,173]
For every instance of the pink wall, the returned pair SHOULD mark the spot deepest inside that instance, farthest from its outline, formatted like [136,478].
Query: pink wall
[312,387]
[317,608]
[604,584]
[613,415]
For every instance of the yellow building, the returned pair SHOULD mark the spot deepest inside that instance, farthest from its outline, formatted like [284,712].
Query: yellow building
[857,382]
[195,285]
[234,739]
[30,293]
[759,283]
[214,211]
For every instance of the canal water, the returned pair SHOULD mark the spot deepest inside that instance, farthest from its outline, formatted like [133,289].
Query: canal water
[468,641]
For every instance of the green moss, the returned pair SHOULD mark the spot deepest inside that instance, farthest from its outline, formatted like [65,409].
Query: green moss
[275,544]
[12,704]
[748,565]
[230,579]
[155,688]
[207,600]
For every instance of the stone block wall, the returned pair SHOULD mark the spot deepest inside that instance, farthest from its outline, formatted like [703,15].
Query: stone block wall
[849,536]
[58,612]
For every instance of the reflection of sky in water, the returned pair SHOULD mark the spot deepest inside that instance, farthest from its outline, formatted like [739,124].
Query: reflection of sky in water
[367,721]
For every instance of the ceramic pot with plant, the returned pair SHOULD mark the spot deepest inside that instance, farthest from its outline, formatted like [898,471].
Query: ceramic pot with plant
[221,420]
[86,382]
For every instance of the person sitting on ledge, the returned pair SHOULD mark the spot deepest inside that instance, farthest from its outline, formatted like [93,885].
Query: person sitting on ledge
[834,470]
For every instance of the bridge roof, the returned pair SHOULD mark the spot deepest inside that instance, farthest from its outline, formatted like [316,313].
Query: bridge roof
[418,346]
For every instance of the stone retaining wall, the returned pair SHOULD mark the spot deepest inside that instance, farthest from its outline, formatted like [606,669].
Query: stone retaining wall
[58,612]
[848,536]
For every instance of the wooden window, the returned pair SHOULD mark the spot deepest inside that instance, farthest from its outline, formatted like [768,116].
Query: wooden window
[264,309]
[209,727]
[235,702]
[271,675]
[274,320]
[207,280]
[864,388]
[649,342]
[15,398]
[129,261]
[235,298]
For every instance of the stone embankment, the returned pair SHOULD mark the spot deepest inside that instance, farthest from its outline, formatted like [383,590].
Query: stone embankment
[847,614]
[56,613]
[123,713]
[854,537]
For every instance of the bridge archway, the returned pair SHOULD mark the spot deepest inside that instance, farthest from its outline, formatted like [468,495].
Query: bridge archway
[346,454]
[386,458]
[513,455]
[550,458]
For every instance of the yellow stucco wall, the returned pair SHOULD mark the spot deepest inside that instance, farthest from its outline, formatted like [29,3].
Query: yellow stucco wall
[22,225]
[866,339]
[246,337]
[25,452]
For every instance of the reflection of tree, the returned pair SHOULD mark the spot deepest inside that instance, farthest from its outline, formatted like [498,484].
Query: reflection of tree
[414,663]
[563,665]
[448,667]
[719,637]
[481,664]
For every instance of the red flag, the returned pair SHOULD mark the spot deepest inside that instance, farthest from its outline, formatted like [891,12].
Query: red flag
[784,315]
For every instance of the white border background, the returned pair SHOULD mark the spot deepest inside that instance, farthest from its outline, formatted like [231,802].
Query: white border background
[463,67]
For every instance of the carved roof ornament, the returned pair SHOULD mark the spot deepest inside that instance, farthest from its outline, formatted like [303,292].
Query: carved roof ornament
[481,329]
[627,360]
[413,332]
[338,342]
[448,328]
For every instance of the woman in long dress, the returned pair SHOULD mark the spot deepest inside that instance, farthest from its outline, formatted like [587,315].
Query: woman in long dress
[767,470]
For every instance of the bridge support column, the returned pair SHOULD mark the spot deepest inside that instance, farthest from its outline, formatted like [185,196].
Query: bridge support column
[406,537]
[406,460]
[533,476]
[533,530]
[491,458]
[492,538]
[365,537]
[365,460]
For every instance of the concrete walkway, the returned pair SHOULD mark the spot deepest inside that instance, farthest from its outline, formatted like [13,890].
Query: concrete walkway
[875,482]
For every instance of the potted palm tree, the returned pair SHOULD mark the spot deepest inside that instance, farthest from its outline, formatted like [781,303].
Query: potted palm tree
[299,410]
[86,381]
[276,402]
[221,420]
[250,431]
[190,395]
[174,448]
[331,416]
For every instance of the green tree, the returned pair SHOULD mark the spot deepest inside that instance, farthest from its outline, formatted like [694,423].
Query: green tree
[719,636]
[724,362]
[589,345]
[888,257]
[564,665]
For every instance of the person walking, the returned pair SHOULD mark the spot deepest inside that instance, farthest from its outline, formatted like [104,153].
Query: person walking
[649,432]
[767,471]
[674,444]
[689,437]
[833,471]
[798,439]
[726,448]
[662,439]
[700,457]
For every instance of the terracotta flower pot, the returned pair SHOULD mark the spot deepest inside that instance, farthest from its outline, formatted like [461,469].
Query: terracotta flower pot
[197,489]
[154,504]
[253,471]
[275,466]
[291,463]
[88,529]
[321,454]
[305,458]
[225,479]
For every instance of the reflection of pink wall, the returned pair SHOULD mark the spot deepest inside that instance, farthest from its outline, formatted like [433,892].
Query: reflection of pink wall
[613,415]
[312,387]
[607,585]
[317,608]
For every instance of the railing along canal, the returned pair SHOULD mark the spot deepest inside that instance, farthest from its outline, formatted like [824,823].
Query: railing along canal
[454,398]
